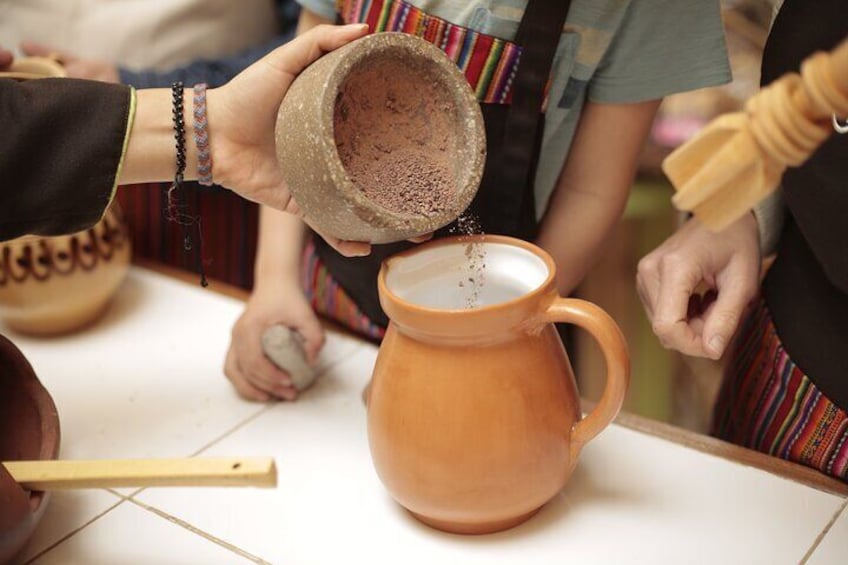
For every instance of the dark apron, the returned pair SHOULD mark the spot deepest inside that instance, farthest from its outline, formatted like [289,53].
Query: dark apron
[806,288]
[505,202]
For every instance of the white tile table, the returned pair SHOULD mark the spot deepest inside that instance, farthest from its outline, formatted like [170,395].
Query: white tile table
[146,381]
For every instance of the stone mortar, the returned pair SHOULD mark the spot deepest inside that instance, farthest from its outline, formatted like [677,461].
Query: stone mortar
[367,156]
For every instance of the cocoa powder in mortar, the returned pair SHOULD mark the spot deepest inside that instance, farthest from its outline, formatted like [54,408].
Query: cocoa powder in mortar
[396,132]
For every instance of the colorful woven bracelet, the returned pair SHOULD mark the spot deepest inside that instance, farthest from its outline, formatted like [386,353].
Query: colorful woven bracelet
[201,136]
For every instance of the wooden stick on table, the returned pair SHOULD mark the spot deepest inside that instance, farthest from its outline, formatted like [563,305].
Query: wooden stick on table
[110,473]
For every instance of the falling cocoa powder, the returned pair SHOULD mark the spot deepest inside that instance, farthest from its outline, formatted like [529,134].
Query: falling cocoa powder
[468,224]
[396,133]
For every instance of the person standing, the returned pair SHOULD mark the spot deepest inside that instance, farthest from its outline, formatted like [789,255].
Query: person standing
[568,92]
[785,386]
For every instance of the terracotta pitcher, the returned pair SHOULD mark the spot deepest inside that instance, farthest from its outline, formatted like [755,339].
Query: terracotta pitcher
[474,417]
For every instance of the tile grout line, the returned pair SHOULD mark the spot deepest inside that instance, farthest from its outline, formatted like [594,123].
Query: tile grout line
[233,430]
[331,364]
[131,497]
[824,532]
[77,530]
[244,422]
[197,531]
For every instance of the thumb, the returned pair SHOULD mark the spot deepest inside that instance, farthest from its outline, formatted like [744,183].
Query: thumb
[723,318]
[313,339]
[303,50]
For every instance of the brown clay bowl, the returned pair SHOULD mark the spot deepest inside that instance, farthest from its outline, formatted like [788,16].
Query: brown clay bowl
[29,429]
[381,140]
[53,285]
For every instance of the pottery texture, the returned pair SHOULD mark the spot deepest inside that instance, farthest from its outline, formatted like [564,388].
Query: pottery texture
[51,285]
[474,417]
[310,161]
[30,427]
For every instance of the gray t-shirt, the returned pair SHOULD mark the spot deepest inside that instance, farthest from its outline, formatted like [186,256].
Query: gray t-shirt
[611,51]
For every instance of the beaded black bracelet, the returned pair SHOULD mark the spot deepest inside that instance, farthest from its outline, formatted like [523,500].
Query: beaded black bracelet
[179,213]
[179,131]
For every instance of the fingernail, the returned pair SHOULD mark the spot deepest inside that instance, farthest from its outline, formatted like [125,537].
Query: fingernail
[716,345]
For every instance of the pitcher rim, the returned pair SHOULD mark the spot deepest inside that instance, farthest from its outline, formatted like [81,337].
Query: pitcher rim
[541,289]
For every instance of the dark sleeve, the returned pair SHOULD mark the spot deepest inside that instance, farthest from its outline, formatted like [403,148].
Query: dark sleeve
[61,143]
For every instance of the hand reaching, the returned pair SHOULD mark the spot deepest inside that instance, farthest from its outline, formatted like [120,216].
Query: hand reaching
[669,277]
[253,375]
[243,113]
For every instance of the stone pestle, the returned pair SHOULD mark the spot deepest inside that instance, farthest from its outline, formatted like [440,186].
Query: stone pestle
[284,348]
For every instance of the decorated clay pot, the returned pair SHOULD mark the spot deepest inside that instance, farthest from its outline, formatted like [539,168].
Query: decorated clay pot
[381,140]
[30,430]
[474,418]
[51,285]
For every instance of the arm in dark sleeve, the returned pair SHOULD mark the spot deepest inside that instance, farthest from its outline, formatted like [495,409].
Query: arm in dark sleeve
[217,72]
[61,145]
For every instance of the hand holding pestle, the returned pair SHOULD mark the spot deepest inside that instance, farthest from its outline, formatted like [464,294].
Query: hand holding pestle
[285,348]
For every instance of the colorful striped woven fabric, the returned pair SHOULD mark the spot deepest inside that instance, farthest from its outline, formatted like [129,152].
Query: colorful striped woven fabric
[767,403]
[489,63]
[330,300]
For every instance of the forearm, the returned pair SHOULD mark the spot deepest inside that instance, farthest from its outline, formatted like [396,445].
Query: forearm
[151,151]
[593,186]
[279,248]
[576,232]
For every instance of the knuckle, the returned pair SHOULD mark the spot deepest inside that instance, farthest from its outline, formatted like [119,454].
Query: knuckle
[726,318]
[664,342]
[646,265]
[674,260]
[661,328]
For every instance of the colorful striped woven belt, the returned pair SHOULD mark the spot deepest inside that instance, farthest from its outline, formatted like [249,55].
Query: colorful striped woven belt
[489,63]
[767,403]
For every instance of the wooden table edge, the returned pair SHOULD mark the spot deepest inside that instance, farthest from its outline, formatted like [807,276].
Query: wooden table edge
[681,436]
[731,452]
[224,289]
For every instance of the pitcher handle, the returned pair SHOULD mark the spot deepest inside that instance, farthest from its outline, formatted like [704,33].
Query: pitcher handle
[614,347]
